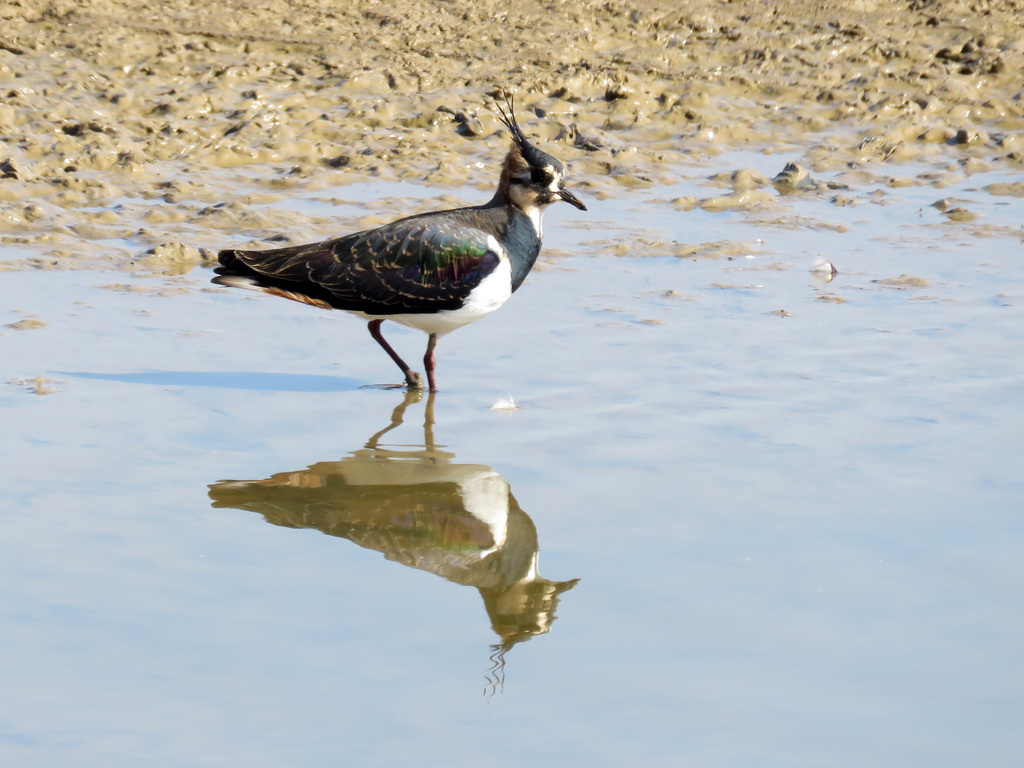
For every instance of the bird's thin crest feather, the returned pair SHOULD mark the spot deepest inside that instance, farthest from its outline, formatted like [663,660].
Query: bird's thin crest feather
[529,153]
[508,119]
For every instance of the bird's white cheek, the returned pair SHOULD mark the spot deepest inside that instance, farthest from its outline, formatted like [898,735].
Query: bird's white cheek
[528,203]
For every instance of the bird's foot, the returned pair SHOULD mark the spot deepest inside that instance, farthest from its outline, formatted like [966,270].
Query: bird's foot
[414,380]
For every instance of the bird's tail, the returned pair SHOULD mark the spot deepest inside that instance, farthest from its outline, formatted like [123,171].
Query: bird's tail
[239,281]
[229,257]
[235,272]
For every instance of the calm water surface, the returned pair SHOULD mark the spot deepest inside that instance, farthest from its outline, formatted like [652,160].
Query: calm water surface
[741,517]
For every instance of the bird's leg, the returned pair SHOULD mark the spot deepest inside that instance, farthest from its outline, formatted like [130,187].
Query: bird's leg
[429,362]
[412,379]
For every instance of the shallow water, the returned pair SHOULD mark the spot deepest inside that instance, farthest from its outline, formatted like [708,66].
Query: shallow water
[792,505]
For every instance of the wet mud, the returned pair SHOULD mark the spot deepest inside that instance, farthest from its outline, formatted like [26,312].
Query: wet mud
[145,136]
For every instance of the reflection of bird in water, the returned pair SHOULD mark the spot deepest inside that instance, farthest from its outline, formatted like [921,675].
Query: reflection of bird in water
[411,503]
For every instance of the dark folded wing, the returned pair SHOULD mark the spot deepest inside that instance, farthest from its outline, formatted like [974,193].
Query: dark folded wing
[416,265]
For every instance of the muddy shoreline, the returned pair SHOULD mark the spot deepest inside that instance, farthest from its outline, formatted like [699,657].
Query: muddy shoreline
[127,128]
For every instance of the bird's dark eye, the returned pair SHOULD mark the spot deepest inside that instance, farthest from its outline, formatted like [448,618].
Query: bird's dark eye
[540,176]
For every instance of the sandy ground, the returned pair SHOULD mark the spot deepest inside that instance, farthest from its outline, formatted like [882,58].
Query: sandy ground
[128,127]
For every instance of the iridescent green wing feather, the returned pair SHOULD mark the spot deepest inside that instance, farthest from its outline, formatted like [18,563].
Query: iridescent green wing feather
[416,265]
[419,265]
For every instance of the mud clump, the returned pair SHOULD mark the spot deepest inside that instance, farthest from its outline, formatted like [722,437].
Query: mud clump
[107,103]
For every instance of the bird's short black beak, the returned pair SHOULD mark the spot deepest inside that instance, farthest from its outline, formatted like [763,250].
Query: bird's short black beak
[570,198]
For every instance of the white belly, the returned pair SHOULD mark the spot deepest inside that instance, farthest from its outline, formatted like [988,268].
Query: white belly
[492,292]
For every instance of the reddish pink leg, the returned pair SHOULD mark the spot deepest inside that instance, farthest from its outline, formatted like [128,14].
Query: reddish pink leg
[412,379]
[429,362]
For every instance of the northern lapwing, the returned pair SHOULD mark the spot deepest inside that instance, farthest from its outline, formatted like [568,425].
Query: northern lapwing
[434,271]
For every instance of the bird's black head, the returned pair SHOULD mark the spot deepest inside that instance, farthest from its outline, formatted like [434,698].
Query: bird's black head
[532,179]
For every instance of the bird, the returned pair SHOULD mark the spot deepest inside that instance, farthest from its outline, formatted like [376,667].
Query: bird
[435,271]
